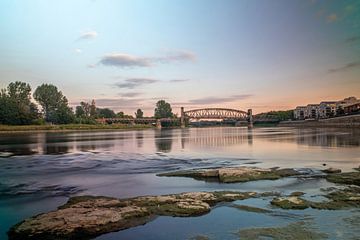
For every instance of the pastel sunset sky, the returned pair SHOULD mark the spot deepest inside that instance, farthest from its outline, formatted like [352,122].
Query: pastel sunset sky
[259,54]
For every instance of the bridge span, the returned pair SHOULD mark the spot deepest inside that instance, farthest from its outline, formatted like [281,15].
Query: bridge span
[194,114]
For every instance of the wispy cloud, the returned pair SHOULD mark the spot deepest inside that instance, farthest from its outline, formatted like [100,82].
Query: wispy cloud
[130,94]
[178,80]
[78,50]
[216,100]
[122,60]
[88,35]
[332,18]
[132,83]
[346,67]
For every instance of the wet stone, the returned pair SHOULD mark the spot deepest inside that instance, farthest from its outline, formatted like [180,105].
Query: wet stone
[234,174]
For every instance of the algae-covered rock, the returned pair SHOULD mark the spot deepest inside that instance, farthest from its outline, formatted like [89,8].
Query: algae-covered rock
[332,170]
[298,230]
[86,217]
[234,174]
[338,199]
[352,178]
[291,202]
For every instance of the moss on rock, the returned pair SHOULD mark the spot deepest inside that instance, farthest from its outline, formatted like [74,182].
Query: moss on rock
[235,174]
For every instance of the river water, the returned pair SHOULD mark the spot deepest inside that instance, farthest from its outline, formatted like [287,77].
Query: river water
[44,169]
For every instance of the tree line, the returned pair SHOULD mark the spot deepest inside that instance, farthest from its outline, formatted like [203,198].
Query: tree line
[17,108]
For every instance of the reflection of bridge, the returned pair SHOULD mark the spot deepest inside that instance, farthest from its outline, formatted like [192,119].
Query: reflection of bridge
[204,113]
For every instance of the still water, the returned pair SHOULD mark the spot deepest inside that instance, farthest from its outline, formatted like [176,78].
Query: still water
[45,169]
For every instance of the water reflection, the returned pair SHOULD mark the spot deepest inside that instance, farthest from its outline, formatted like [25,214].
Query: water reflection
[163,140]
[170,140]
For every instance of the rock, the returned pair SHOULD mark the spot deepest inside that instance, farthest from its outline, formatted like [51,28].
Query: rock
[338,199]
[297,230]
[352,178]
[86,217]
[332,170]
[234,174]
[291,202]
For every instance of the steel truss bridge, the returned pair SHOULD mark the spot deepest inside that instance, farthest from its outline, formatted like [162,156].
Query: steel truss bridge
[195,114]
[217,113]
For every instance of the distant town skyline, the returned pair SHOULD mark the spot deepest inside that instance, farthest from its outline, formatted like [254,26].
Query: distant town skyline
[264,55]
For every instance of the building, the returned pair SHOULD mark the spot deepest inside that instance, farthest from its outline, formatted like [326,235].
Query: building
[299,112]
[327,109]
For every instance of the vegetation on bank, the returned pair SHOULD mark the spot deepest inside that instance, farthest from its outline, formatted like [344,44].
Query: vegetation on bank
[52,107]
[70,127]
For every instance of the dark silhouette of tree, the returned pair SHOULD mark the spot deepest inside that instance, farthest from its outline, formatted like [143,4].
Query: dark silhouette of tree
[139,113]
[105,113]
[163,110]
[54,104]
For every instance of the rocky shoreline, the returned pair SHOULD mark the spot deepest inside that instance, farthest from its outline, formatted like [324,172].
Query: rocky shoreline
[85,217]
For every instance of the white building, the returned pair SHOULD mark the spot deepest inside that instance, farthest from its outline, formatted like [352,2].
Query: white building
[327,109]
[299,112]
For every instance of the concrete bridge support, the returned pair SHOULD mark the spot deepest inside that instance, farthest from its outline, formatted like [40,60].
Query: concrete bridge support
[158,124]
[182,118]
[250,119]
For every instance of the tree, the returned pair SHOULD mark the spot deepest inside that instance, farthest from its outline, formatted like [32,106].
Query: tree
[139,113]
[54,104]
[105,113]
[93,109]
[79,112]
[163,110]
[16,106]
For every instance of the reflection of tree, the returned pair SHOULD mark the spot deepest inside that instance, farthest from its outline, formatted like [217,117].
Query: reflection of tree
[54,144]
[163,140]
[139,139]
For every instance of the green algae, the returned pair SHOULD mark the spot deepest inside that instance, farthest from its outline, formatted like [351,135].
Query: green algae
[250,208]
[350,178]
[298,230]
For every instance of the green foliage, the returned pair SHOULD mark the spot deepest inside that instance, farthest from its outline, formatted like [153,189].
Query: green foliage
[105,113]
[16,107]
[163,110]
[139,113]
[54,104]
[277,115]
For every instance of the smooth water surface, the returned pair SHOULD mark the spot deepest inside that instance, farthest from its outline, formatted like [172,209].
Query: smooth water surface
[41,170]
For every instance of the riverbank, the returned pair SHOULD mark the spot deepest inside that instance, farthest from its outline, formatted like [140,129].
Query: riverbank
[70,127]
[351,121]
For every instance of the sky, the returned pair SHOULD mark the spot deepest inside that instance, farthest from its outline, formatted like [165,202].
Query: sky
[241,54]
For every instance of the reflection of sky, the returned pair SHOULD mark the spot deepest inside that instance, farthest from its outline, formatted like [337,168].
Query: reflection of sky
[235,53]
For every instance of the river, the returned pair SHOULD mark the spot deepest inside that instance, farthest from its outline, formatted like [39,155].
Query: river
[44,169]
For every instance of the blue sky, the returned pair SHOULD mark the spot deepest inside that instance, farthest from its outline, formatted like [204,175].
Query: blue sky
[258,54]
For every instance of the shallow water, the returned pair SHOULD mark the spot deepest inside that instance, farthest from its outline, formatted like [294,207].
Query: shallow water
[44,169]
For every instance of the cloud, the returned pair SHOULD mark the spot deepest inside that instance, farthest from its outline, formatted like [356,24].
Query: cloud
[346,67]
[78,50]
[91,65]
[132,83]
[332,18]
[88,35]
[215,100]
[130,94]
[178,80]
[126,60]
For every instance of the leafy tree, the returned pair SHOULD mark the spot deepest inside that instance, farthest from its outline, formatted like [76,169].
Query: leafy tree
[16,106]
[105,113]
[139,113]
[79,112]
[163,110]
[54,104]
[93,109]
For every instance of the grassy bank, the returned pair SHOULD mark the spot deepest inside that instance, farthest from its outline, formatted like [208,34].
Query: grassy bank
[70,127]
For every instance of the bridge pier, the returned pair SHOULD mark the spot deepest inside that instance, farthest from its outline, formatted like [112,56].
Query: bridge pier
[182,118]
[158,124]
[250,119]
